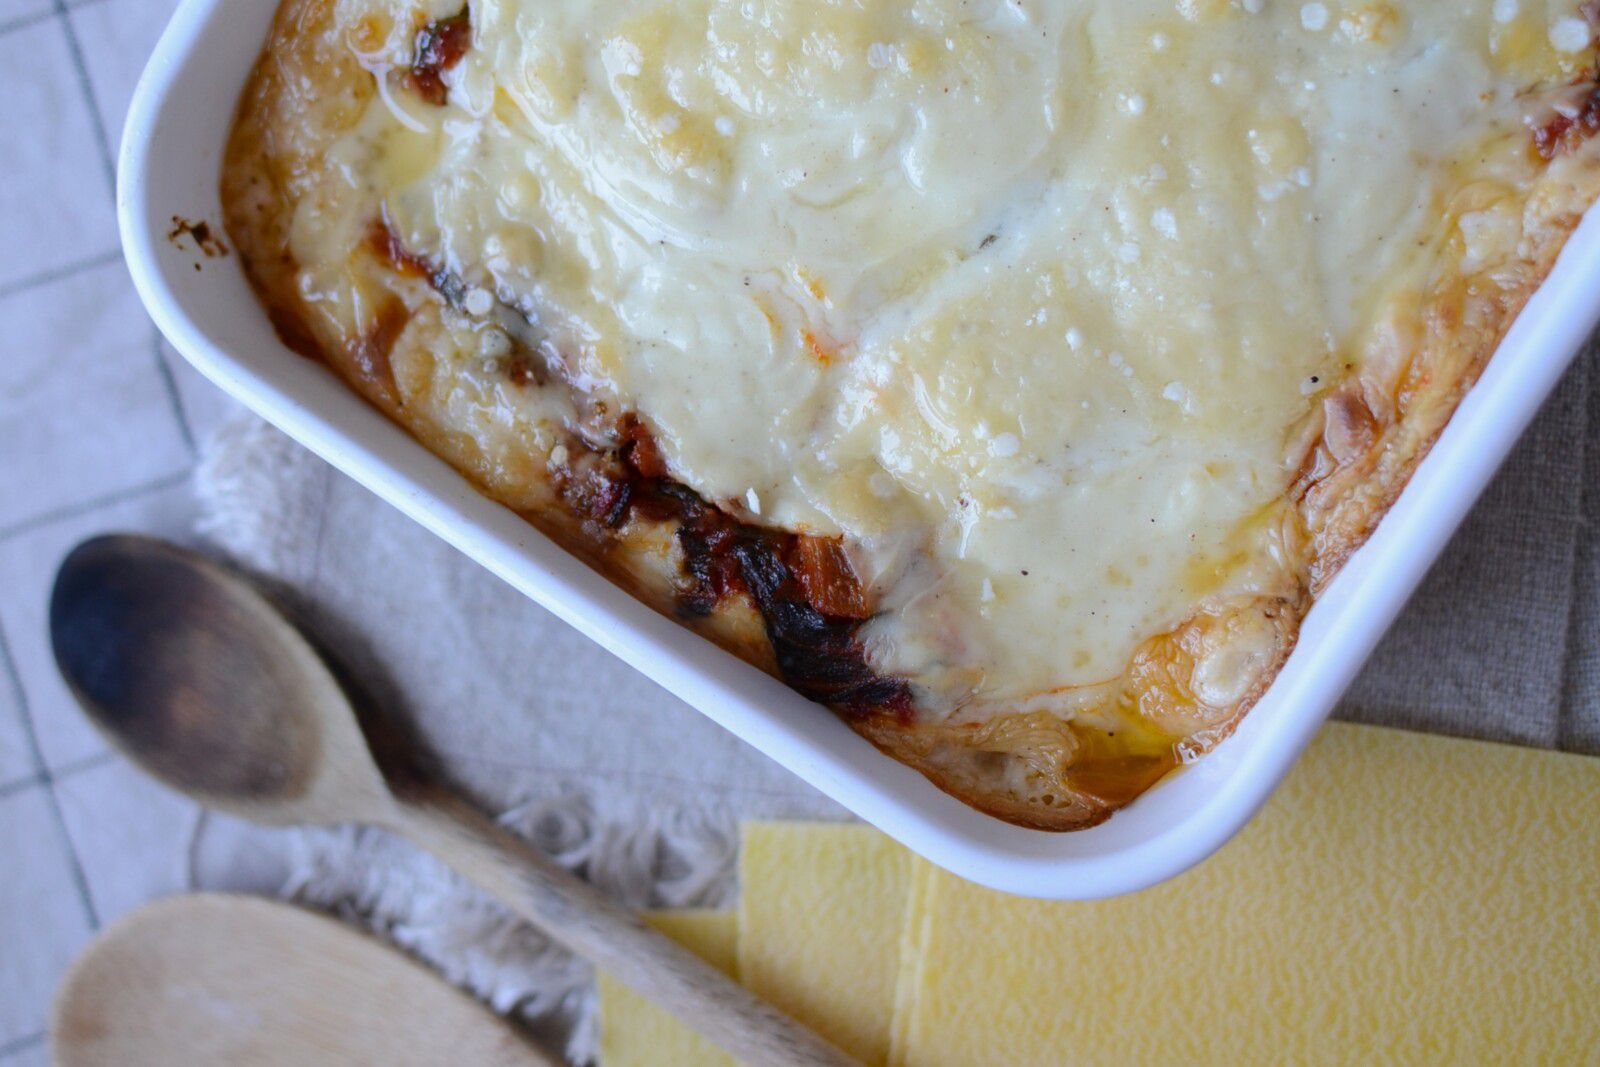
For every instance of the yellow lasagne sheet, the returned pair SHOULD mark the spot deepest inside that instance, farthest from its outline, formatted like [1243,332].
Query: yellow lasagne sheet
[1403,899]
[819,927]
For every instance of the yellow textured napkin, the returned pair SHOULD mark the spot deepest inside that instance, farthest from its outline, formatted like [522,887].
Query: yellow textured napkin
[636,1033]
[1404,898]
[820,927]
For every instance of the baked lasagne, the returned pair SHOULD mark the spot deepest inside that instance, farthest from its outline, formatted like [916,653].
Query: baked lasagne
[1007,375]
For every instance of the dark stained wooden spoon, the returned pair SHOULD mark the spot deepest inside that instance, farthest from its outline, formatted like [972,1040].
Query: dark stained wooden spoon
[191,673]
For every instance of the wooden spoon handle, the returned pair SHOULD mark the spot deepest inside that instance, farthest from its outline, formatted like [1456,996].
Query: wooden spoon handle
[577,916]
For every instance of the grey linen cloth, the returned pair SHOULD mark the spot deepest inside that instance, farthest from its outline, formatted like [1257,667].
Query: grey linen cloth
[625,784]
[1502,640]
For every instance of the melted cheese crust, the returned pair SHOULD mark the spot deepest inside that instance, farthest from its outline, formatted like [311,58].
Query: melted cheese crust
[1087,326]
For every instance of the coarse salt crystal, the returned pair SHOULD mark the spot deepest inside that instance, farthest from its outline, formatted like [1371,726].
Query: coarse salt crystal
[1570,35]
[1004,445]
[493,344]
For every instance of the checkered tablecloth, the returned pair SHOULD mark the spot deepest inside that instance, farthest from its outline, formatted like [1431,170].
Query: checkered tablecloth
[98,424]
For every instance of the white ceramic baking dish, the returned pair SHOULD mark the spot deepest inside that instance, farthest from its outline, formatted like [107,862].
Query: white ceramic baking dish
[169,165]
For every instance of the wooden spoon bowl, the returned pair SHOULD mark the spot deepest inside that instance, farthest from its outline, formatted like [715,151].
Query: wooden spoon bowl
[207,979]
[198,680]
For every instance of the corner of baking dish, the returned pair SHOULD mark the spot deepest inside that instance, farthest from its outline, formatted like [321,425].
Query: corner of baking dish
[168,168]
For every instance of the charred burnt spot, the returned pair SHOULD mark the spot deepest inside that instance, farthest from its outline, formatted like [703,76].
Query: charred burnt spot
[438,46]
[818,654]
[818,650]
[205,240]
[811,603]
[709,539]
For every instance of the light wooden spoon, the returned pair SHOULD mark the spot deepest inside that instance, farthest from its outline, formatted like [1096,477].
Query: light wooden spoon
[209,979]
[199,680]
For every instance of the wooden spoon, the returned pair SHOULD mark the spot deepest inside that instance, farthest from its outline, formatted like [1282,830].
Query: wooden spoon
[216,979]
[199,680]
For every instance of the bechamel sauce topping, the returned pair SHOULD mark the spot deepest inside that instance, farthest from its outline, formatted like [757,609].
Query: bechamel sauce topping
[1025,298]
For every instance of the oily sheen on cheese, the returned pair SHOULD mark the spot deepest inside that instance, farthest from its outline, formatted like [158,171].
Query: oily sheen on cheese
[1094,334]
